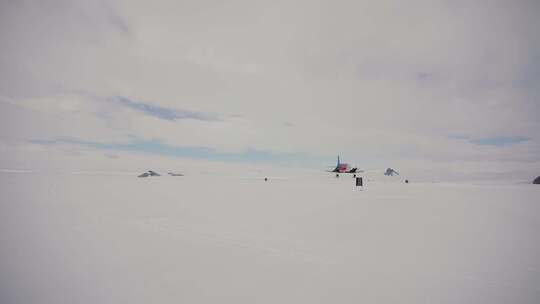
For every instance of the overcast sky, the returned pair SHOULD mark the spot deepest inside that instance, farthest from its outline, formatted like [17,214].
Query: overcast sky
[416,85]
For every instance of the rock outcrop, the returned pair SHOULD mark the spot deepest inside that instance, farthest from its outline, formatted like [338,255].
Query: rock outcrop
[148,173]
[391,172]
[175,174]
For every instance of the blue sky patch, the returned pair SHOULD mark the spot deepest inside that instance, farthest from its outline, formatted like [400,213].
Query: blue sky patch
[159,148]
[497,141]
[162,112]
[500,141]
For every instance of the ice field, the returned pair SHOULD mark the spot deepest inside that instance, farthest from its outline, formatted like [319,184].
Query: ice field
[115,238]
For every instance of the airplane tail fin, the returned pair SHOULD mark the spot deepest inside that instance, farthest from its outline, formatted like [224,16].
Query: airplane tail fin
[338,160]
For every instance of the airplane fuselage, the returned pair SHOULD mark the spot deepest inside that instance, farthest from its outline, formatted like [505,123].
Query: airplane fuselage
[343,168]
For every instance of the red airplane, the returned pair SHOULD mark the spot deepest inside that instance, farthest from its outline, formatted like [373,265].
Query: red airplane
[344,168]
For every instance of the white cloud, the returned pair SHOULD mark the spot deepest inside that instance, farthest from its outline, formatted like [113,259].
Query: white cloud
[379,82]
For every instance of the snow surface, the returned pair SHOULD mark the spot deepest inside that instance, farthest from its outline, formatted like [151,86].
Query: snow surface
[116,238]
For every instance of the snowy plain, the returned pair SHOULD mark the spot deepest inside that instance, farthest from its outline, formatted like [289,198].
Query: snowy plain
[115,238]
